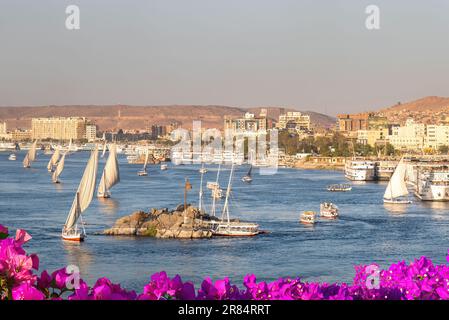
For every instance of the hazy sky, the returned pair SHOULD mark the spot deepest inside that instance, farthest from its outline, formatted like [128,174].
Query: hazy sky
[313,55]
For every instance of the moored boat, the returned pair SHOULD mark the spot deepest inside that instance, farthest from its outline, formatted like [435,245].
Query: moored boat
[229,228]
[12,157]
[164,167]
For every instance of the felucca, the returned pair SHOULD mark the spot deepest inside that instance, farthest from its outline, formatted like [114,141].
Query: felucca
[30,156]
[111,174]
[58,170]
[144,172]
[53,160]
[397,188]
[83,197]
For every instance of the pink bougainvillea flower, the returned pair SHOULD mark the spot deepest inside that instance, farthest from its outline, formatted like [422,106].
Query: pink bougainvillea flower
[26,291]
[22,236]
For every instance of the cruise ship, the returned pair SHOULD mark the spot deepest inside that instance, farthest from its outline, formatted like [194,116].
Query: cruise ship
[360,170]
[384,169]
[432,183]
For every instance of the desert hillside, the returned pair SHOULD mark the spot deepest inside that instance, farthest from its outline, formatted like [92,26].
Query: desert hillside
[140,117]
[427,110]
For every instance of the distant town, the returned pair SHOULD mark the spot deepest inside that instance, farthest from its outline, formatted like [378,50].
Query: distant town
[384,133]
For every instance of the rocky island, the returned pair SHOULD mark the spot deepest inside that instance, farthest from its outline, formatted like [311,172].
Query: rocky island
[163,223]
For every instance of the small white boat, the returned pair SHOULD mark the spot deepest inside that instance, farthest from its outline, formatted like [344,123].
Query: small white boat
[203,170]
[307,217]
[142,173]
[328,210]
[247,178]
[12,157]
[164,167]
[339,188]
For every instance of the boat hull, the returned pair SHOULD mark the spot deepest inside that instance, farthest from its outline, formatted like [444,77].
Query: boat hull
[73,238]
[397,201]
[142,173]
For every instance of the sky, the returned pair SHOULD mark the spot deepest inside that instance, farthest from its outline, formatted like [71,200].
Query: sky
[310,55]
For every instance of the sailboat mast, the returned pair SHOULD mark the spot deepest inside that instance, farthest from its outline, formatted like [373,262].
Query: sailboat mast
[228,191]
[200,200]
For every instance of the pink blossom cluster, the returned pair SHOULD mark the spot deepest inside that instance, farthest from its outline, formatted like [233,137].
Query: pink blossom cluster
[420,279]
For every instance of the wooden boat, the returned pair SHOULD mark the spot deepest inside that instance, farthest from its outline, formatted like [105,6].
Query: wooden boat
[397,187]
[83,198]
[339,187]
[225,227]
[328,210]
[307,217]
[110,176]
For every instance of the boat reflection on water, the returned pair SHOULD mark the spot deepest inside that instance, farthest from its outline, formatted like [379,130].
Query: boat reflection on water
[436,205]
[78,255]
[108,206]
[395,209]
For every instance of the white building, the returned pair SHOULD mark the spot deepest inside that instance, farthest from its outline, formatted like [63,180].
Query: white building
[409,137]
[437,136]
[91,132]
[2,128]
[294,121]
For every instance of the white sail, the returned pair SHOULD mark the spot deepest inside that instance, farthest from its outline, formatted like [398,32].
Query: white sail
[85,191]
[111,174]
[397,186]
[104,149]
[146,161]
[30,156]
[53,160]
[26,161]
[59,169]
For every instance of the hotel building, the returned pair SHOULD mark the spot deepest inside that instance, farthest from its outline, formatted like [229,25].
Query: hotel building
[60,128]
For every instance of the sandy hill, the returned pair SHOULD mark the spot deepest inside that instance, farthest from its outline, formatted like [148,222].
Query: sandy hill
[140,117]
[428,110]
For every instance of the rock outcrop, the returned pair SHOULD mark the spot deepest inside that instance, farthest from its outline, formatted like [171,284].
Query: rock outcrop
[162,223]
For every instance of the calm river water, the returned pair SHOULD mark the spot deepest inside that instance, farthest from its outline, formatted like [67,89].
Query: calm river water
[367,231]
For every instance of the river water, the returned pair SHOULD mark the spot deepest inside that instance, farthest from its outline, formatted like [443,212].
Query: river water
[367,230]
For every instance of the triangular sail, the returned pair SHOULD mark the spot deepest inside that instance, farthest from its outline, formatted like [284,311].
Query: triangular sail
[59,169]
[146,161]
[104,149]
[53,160]
[111,174]
[249,171]
[85,191]
[30,156]
[397,186]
